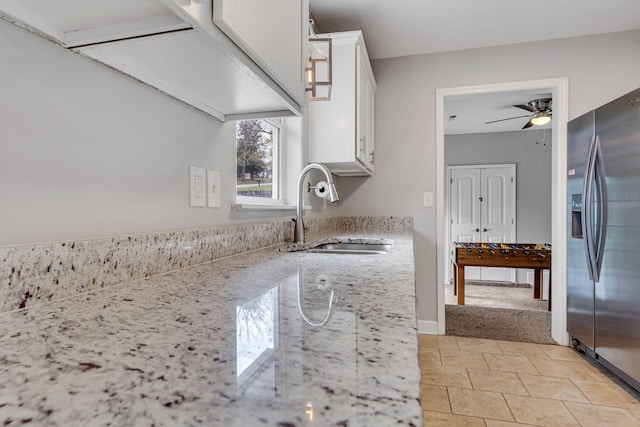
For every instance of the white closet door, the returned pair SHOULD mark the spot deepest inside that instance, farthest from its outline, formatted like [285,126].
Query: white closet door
[482,209]
[465,210]
[497,213]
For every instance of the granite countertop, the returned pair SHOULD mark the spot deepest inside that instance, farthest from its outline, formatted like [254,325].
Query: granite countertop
[267,338]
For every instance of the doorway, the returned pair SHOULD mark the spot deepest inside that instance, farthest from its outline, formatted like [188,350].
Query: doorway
[482,209]
[559,89]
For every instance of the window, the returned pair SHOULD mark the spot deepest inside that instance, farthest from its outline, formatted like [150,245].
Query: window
[258,161]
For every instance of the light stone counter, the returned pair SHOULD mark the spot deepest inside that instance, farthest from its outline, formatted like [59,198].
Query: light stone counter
[240,341]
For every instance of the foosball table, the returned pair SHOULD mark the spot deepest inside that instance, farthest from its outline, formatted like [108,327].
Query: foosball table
[505,255]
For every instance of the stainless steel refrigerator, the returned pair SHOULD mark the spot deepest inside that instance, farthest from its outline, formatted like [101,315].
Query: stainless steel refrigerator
[603,242]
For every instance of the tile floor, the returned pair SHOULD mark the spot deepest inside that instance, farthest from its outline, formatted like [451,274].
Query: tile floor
[480,382]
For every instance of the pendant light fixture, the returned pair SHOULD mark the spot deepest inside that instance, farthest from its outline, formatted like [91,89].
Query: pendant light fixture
[319,65]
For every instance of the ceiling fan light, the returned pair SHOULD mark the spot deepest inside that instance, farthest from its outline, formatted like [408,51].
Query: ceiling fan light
[540,120]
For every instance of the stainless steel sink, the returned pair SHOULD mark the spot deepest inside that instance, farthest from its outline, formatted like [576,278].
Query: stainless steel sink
[351,248]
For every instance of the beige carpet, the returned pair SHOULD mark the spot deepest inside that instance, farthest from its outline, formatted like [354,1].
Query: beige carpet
[500,311]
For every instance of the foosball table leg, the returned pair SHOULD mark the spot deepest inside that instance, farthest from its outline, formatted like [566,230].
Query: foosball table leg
[460,283]
[537,283]
[454,278]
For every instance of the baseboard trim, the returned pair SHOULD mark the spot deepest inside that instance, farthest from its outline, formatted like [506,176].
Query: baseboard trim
[429,327]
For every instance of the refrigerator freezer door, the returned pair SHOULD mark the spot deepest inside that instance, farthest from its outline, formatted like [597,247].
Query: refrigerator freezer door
[580,323]
[617,294]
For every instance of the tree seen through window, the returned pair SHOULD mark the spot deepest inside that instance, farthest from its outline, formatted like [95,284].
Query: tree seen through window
[255,158]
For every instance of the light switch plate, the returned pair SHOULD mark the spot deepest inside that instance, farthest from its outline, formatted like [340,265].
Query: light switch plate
[213,189]
[427,199]
[197,187]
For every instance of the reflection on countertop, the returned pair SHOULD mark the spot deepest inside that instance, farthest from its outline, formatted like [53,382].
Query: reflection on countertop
[264,338]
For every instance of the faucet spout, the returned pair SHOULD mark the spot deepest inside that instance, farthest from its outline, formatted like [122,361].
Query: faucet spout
[298,230]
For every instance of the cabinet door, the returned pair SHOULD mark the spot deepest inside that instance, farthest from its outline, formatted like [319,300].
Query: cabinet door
[272,33]
[364,112]
[370,129]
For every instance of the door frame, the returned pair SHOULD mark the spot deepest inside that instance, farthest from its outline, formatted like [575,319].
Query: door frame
[559,87]
[447,253]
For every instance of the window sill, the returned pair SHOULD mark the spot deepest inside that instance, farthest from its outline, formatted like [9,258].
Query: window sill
[265,207]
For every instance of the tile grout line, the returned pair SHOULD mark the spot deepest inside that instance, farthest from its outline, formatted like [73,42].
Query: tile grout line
[571,412]
[449,400]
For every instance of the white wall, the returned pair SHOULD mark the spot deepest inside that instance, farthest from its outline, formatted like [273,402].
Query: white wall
[89,152]
[533,175]
[599,68]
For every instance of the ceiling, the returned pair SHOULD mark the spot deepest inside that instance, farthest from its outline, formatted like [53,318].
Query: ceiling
[473,111]
[412,27]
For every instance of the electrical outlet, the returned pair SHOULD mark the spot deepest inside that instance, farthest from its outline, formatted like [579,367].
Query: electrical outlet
[213,189]
[197,183]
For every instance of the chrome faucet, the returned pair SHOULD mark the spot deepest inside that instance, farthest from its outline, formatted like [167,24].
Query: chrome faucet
[298,230]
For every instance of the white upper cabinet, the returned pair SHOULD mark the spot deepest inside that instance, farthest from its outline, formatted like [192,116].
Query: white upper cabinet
[235,60]
[341,131]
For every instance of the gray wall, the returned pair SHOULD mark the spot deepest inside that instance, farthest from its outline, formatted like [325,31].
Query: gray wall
[89,152]
[533,175]
[599,69]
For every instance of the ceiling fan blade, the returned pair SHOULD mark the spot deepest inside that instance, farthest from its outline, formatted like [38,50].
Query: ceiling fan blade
[526,107]
[510,118]
[528,125]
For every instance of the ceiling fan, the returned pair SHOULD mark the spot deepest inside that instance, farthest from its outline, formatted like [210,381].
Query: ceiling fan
[541,109]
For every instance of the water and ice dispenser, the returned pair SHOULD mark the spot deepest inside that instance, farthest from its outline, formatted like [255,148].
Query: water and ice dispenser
[576,216]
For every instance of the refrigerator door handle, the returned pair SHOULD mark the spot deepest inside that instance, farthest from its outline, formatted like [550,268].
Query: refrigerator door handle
[587,214]
[603,208]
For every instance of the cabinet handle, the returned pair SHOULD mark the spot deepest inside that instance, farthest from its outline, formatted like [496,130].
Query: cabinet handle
[475,230]
[486,229]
